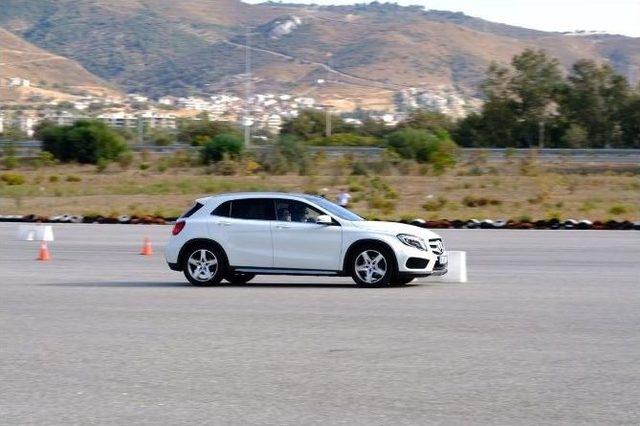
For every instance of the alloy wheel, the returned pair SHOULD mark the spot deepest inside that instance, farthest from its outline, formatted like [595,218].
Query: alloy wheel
[371,266]
[202,265]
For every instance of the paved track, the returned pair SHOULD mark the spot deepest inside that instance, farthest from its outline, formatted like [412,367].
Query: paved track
[546,332]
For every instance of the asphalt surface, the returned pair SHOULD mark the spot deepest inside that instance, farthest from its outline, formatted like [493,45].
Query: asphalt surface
[547,331]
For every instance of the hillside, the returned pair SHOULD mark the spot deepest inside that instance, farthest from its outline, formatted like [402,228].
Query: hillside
[53,75]
[364,51]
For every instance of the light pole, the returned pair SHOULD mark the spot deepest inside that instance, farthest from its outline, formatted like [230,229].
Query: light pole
[246,121]
[327,119]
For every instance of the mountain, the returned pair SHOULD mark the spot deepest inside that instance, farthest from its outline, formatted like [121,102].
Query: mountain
[364,53]
[51,75]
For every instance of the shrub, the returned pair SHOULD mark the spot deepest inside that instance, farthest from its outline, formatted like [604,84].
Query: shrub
[101,165]
[359,169]
[251,167]
[214,149]
[618,210]
[471,201]
[54,178]
[227,166]
[425,147]
[197,133]
[384,205]
[86,142]
[125,159]
[435,205]
[46,158]
[12,178]
[344,139]
[10,162]
[74,178]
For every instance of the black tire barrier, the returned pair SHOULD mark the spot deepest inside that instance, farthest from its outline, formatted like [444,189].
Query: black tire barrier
[567,224]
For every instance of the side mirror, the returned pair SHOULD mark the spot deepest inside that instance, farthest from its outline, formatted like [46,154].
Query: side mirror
[324,219]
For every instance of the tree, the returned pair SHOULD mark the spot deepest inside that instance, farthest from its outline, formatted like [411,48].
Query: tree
[521,100]
[85,141]
[345,139]
[373,127]
[311,124]
[215,149]
[423,146]
[427,120]
[630,122]
[595,98]
[162,137]
[190,130]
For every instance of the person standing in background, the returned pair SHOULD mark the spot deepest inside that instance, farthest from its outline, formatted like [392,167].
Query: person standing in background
[343,198]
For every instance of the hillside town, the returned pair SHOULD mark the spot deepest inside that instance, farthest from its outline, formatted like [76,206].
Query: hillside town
[262,111]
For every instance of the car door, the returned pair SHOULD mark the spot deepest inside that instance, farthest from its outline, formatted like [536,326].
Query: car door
[300,243]
[245,230]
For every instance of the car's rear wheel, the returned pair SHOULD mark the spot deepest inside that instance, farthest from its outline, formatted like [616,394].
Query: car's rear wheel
[372,266]
[204,265]
[239,278]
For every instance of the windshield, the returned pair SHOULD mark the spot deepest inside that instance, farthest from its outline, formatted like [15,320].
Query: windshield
[334,209]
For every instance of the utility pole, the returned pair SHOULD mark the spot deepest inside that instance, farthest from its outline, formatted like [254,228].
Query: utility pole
[327,120]
[140,131]
[247,108]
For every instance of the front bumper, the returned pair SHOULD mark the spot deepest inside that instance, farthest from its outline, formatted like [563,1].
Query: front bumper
[415,262]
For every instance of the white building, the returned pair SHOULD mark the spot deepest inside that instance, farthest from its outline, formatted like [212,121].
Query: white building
[274,124]
[19,82]
[149,119]
[25,123]
[61,118]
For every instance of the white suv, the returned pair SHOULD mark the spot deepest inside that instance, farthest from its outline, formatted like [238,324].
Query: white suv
[238,236]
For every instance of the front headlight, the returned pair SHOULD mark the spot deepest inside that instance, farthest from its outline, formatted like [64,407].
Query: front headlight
[413,241]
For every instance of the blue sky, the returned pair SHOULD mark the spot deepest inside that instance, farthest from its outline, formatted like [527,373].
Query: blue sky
[613,16]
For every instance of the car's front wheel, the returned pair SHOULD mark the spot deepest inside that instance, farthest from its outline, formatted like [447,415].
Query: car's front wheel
[204,265]
[372,266]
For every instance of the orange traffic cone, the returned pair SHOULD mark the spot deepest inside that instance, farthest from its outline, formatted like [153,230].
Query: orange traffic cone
[147,250]
[44,251]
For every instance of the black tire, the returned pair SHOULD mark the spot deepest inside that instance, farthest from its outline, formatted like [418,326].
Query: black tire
[239,278]
[403,280]
[373,266]
[207,276]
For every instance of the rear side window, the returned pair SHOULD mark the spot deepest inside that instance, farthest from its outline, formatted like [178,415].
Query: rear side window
[192,210]
[223,209]
[253,209]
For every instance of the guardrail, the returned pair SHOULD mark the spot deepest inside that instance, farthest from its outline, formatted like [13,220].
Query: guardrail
[621,156]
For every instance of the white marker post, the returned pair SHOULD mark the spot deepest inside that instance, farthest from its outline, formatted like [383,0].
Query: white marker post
[35,233]
[457,268]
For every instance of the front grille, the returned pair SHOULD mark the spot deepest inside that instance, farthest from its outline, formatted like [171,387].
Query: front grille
[436,246]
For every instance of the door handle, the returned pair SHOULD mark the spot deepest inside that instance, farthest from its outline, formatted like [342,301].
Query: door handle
[224,223]
[283,226]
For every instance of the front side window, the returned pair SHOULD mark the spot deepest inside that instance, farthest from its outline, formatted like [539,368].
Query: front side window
[253,209]
[296,211]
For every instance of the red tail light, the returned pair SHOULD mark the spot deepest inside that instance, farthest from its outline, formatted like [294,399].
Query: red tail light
[179,226]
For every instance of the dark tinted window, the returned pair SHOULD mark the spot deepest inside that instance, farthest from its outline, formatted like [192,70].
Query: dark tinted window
[253,208]
[223,209]
[192,210]
[296,211]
